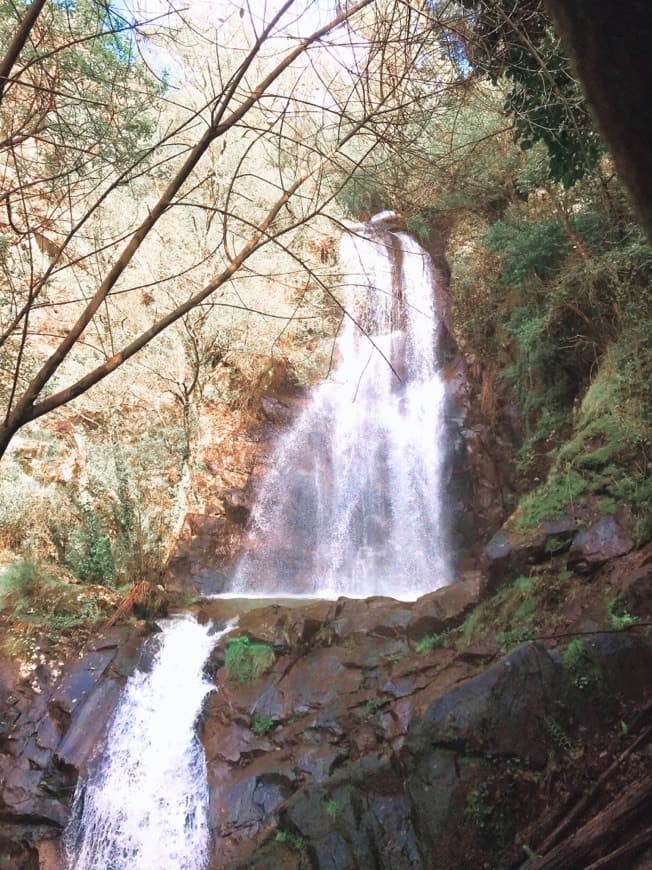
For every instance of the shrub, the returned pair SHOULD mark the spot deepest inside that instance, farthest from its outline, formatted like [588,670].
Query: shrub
[88,551]
[527,247]
[245,660]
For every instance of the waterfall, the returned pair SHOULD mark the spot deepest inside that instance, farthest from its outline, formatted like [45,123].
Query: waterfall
[353,502]
[146,805]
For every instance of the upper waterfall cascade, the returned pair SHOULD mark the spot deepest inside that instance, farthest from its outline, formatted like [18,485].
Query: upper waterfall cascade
[353,503]
[146,805]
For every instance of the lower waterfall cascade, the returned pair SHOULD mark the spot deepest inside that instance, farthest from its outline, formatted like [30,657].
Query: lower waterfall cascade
[353,503]
[146,804]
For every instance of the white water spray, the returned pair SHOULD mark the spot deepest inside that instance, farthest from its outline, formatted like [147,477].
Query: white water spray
[353,504]
[146,806]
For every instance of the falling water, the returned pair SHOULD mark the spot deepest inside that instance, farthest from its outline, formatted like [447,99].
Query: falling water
[353,502]
[146,806]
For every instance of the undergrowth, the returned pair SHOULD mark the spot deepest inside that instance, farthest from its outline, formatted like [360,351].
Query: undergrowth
[40,596]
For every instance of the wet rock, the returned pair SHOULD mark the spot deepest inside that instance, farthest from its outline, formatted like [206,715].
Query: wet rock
[51,736]
[16,855]
[277,411]
[499,712]
[383,617]
[362,820]
[237,505]
[446,607]
[563,526]
[604,540]
[282,627]
[206,541]
[509,553]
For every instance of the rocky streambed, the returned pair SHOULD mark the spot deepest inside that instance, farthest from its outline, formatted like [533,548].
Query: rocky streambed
[366,736]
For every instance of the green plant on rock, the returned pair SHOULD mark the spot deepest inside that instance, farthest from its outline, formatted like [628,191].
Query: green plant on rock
[247,660]
[512,637]
[332,808]
[618,618]
[585,673]
[479,810]
[472,625]
[429,642]
[262,724]
[561,739]
[561,491]
[291,839]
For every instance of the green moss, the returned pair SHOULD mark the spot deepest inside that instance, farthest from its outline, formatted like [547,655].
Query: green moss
[550,500]
[245,660]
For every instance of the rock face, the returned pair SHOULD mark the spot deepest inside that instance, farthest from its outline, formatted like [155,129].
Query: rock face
[355,750]
[368,742]
[211,538]
[583,540]
[47,738]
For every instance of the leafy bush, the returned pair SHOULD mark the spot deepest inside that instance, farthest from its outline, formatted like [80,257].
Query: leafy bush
[363,195]
[527,248]
[88,551]
[246,660]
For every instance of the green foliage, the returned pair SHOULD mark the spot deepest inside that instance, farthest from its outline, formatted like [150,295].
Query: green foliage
[19,580]
[514,636]
[518,47]
[332,808]
[429,642]
[77,43]
[290,838]
[471,625]
[35,595]
[363,195]
[246,660]
[478,808]
[527,248]
[88,553]
[509,617]
[618,618]
[262,725]
[561,739]
[576,660]
[550,500]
